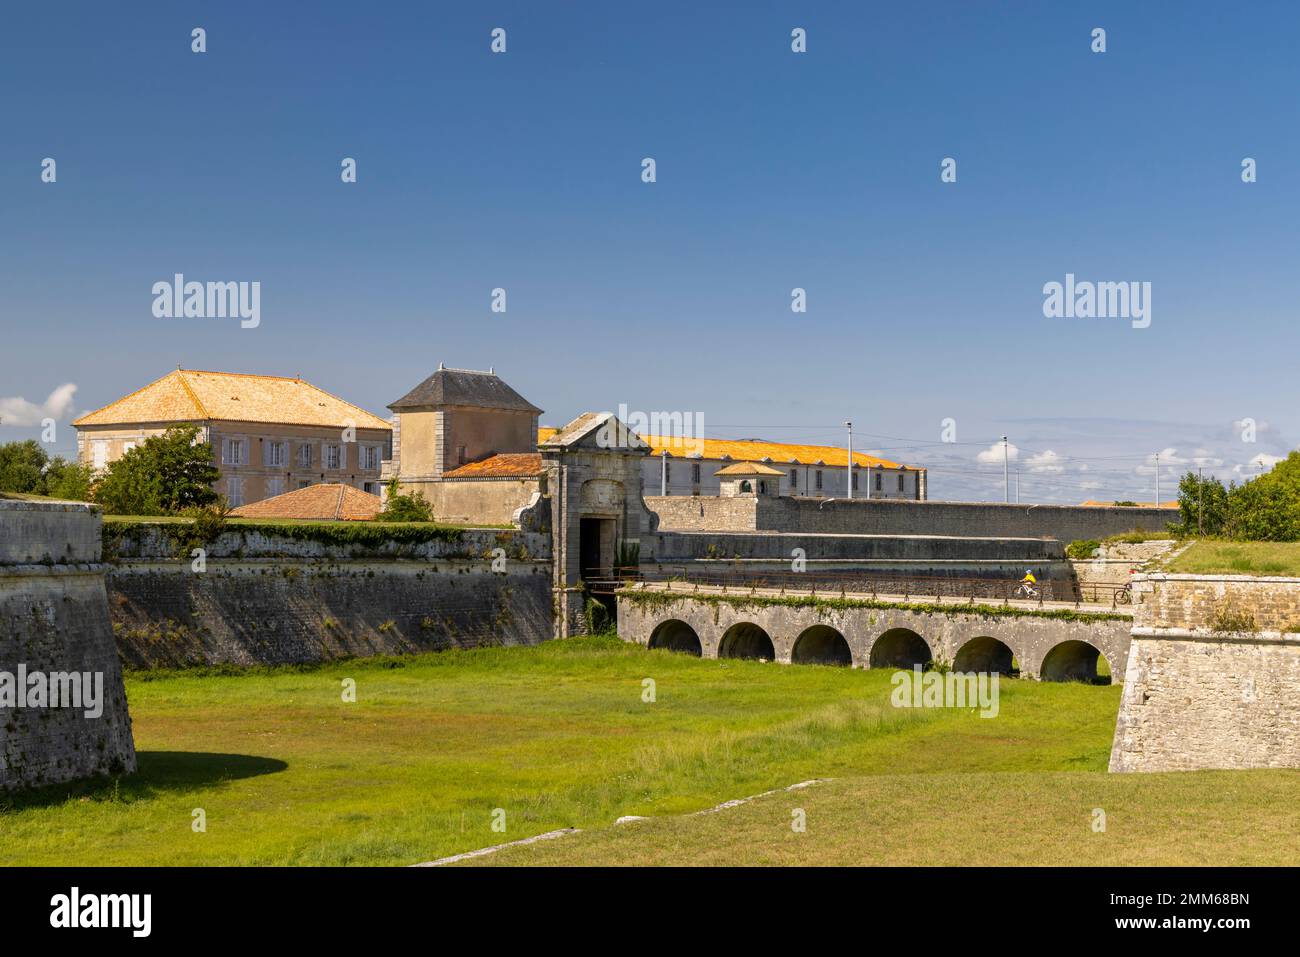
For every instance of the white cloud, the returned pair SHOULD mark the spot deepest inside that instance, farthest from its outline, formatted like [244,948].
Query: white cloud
[1258,465]
[16,410]
[1206,459]
[993,454]
[1047,461]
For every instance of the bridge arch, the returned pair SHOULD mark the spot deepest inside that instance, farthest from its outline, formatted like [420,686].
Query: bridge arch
[675,635]
[821,645]
[1073,660]
[746,640]
[985,654]
[899,648]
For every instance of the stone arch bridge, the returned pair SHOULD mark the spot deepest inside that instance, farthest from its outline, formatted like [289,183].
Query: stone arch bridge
[1051,644]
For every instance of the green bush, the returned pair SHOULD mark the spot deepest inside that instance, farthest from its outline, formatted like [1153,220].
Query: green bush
[27,468]
[164,475]
[404,508]
[1265,509]
[1083,548]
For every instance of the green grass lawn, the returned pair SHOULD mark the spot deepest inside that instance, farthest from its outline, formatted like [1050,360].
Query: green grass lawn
[1239,558]
[558,736]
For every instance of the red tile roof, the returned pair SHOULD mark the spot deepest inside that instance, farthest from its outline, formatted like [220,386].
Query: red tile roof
[326,502]
[503,465]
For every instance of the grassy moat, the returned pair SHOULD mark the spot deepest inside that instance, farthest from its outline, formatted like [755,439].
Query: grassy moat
[286,772]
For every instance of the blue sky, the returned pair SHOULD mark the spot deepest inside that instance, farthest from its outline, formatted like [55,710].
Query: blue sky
[775,170]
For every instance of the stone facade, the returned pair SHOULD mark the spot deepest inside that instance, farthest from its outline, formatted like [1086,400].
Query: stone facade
[1214,669]
[592,471]
[487,501]
[54,618]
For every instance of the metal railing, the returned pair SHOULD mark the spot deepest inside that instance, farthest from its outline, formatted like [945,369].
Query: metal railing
[909,587]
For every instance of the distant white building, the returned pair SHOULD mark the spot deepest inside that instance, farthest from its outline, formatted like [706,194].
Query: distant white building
[819,471]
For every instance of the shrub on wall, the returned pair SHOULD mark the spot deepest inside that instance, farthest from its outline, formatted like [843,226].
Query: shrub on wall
[399,507]
[1082,549]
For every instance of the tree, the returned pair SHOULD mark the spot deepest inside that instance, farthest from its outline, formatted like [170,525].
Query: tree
[21,465]
[1268,508]
[166,474]
[1202,505]
[405,508]
[68,480]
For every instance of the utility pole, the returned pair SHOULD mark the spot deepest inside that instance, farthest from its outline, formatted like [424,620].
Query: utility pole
[849,494]
[1200,502]
[1157,480]
[1006,472]
[1017,486]
[663,472]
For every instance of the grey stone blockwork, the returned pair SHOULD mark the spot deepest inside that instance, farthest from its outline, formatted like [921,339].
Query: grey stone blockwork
[1199,696]
[263,599]
[54,618]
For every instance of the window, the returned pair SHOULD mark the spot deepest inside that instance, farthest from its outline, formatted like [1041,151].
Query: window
[334,456]
[855,481]
[234,452]
[695,472]
[900,481]
[304,456]
[274,487]
[819,480]
[371,487]
[100,452]
[794,478]
[762,486]
[370,457]
[878,480]
[304,483]
[460,455]
[127,447]
[275,454]
[234,491]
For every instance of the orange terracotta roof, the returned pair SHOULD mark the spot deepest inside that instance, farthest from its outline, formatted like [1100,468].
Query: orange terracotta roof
[325,501]
[188,395]
[748,468]
[1095,504]
[750,450]
[504,465]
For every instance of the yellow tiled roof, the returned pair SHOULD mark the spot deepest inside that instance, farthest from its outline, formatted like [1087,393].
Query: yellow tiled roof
[1096,504]
[188,395]
[746,450]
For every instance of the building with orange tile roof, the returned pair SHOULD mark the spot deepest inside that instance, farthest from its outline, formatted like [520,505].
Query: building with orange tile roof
[269,434]
[467,442]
